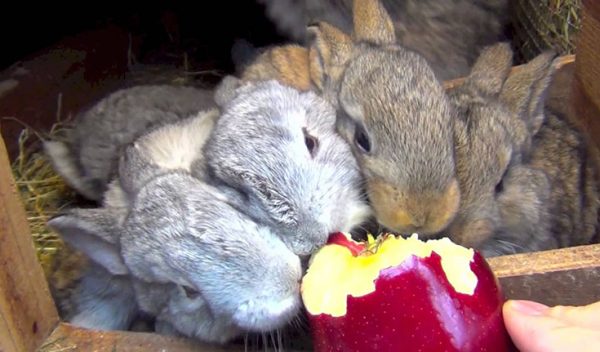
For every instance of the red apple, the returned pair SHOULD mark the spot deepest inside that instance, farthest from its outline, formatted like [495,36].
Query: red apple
[403,294]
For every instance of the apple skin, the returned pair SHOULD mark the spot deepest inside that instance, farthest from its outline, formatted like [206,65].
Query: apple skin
[414,308]
[340,239]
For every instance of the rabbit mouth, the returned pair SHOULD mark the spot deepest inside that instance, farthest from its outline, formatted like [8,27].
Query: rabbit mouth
[263,315]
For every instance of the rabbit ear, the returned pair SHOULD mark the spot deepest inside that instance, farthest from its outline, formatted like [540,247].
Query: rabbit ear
[525,90]
[328,54]
[491,69]
[372,23]
[64,163]
[93,232]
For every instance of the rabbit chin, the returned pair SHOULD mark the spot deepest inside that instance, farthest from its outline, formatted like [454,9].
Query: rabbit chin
[264,314]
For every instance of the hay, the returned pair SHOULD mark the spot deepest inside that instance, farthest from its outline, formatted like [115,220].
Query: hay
[43,192]
[545,24]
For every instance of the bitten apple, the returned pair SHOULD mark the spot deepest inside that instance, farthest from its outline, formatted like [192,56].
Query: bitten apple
[403,294]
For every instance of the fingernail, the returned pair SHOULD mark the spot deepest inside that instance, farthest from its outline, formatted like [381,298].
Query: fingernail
[529,307]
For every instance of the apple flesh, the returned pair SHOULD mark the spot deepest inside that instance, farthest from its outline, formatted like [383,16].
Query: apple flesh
[403,294]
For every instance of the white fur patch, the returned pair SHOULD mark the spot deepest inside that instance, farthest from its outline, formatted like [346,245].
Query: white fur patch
[177,146]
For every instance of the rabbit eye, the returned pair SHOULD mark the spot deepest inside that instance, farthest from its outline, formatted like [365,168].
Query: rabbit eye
[362,140]
[311,142]
[190,292]
[499,187]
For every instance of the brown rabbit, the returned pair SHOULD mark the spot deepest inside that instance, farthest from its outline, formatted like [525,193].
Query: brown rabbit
[448,34]
[528,181]
[394,113]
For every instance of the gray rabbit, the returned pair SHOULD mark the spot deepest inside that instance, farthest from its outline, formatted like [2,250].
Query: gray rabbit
[277,152]
[528,181]
[448,34]
[87,159]
[161,191]
[196,264]
[391,109]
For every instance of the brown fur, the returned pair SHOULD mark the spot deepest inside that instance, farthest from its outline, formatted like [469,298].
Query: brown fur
[288,64]
[395,97]
[528,179]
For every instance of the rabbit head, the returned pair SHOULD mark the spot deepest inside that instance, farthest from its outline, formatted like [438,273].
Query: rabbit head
[498,117]
[88,158]
[277,148]
[395,115]
[199,266]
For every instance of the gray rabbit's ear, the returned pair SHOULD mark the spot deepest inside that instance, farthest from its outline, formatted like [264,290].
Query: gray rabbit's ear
[93,232]
[524,91]
[372,23]
[226,90]
[64,163]
[491,69]
[329,51]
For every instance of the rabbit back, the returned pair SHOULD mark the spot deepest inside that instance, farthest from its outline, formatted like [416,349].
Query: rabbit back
[88,159]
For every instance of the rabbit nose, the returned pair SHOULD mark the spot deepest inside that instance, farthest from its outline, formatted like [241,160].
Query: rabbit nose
[418,220]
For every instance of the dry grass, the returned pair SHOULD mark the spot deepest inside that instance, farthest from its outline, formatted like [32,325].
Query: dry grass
[43,192]
[544,24]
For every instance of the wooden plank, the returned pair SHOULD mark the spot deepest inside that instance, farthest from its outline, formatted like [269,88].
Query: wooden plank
[588,50]
[27,311]
[67,337]
[568,276]
[586,85]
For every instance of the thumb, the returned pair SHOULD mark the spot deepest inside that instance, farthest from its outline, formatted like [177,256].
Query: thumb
[533,328]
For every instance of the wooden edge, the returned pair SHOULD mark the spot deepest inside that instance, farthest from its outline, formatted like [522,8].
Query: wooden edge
[67,337]
[546,261]
[568,276]
[562,61]
[27,310]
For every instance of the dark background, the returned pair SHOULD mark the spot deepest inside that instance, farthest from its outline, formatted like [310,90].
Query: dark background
[206,28]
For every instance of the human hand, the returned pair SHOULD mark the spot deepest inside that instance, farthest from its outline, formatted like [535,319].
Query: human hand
[535,327]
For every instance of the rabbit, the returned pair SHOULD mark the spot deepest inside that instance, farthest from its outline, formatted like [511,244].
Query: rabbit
[151,157]
[393,112]
[88,295]
[201,268]
[88,158]
[275,151]
[448,34]
[395,115]
[528,182]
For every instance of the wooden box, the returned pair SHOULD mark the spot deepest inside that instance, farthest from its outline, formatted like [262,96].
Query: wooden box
[29,319]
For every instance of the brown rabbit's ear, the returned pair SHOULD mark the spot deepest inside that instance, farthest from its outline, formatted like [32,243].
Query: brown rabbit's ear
[328,54]
[491,69]
[372,23]
[524,91]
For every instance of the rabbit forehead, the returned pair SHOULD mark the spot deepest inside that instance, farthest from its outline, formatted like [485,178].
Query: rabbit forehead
[407,117]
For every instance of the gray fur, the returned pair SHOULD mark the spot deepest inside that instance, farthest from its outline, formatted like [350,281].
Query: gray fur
[393,96]
[179,232]
[448,34]
[258,150]
[88,158]
[527,181]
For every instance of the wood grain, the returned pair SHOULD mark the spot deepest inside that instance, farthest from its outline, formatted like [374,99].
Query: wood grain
[27,311]
[67,337]
[568,276]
